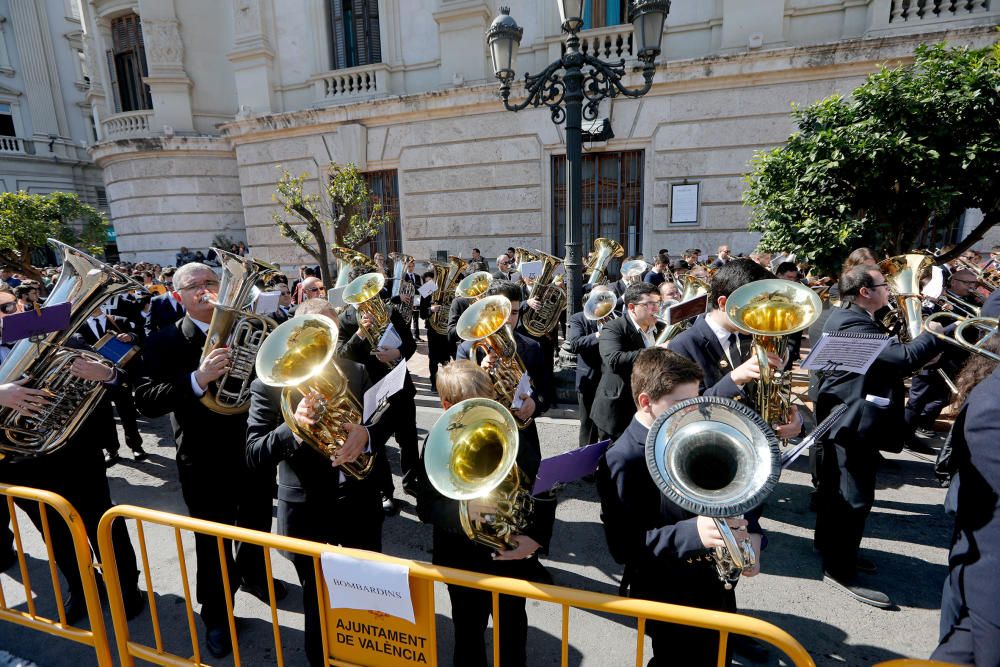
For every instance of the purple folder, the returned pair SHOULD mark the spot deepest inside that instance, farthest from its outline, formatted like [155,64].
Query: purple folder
[568,466]
[31,323]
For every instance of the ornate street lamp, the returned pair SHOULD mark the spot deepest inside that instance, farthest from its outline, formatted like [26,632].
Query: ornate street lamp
[572,88]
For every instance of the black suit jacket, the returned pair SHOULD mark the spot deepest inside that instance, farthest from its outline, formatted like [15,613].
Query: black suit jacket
[116,325]
[533,358]
[700,344]
[866,423]
[582,337]
[992,306]
[356,347]
[620,344]
[459,305]
[162,313]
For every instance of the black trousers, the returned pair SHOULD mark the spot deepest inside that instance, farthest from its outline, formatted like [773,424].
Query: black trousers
[929,394]
[237,497]
[967,638]
[588,431]
[402,414]
[121,396]
[352,519]
[439,353]
[846,496]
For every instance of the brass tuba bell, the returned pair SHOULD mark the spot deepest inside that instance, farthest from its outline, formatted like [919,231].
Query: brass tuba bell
[298,357]
[597,262]
[903,273]
[600,306]
[715,457]
[364,293]
[348,260]
[474,285]
[471,453]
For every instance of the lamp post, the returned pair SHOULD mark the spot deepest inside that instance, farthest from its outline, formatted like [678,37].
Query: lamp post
[573,88]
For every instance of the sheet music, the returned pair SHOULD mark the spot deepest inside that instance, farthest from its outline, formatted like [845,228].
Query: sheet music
[523,387]
[845,352]
[390,339]
[379,393]
[427,289]
[267,303]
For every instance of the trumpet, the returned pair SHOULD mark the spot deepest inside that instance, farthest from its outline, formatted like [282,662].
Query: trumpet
[471,453]
[986,326]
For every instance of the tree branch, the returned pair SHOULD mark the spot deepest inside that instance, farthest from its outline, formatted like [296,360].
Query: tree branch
[990,218]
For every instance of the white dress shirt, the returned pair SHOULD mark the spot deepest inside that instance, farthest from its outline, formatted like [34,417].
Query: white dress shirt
[648,336]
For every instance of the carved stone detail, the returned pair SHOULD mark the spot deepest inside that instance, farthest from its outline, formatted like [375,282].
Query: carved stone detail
[246,17]
[164,49]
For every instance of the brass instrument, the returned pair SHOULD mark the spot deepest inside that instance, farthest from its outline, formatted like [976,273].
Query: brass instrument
[474,285]
[936,292]
[445,292]
[986,326]
[485,323]
[237,327]
[903,273]
[715,457]
[693,288]
[298,356]
[364,293]
[600,306]
[348,261]
[632,270]
[85,283]
[988,276]
[400,287]
[471,453]
[552,297]
[771,310]
[597,262]
[522,255]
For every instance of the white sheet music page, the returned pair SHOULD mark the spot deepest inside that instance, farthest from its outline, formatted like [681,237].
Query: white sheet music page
[523,387]
[845,352]
[383,389]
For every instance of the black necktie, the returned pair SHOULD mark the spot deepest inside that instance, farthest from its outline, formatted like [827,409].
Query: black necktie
[100,329]
[735,356]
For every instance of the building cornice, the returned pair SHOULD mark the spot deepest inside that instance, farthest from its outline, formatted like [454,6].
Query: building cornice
[109,152]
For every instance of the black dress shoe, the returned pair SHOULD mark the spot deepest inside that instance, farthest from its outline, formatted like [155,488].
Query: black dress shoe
[134,602]
[259,590]
[920,447]
[218,642]
[864,565]
[139,454]
[754,651]
[111,458]
[389,506]
[859,592]
[75,607]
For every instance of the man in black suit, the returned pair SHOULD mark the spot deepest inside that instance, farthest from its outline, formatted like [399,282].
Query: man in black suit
[402,412]
[96,326]
[215,480]
[970,617]
[583,337]
[439,350]
[538,368]
[873,421]
[285,308]
[665,549]
[458,306]
[505,269]
[165,310]
[621,341]
[316,501]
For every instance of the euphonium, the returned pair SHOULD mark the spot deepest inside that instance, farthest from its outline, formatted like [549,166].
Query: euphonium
[600,306]
[903,273]
[485,323]
[471,453]
[474,285]
[985,328]
[597,262]
[693,288]
[298,356]
[364,294]
[348,261]
[772,310]
[445,292]
[632,270]
[553,298]
[237,327]
[715,457]
[400,287]
[85,283]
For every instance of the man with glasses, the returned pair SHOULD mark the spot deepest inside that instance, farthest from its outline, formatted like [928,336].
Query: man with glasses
[285,310]
[312,288]
[504,270]
[211,461]
[873,421]
[166,309]
[620,343]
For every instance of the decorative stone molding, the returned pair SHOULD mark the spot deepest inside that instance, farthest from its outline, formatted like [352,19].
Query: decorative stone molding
[164,49]
[246,17]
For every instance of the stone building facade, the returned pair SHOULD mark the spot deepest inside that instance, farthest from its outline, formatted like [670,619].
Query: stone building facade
[233,89]
[45,119]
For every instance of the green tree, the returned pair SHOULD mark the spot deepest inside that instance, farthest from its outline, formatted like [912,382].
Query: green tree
[890,168]
[347,212]
[27,220]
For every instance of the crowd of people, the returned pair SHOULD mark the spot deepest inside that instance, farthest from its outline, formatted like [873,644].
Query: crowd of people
[630,369]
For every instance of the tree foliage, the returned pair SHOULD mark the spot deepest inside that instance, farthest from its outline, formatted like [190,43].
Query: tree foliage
[889,168]
[27,220]
[347,212]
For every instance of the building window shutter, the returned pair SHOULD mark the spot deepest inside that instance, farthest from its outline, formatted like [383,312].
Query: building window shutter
[127,65]
[113,76]
[373,35]
[355,36]
[338,38]
[360,15]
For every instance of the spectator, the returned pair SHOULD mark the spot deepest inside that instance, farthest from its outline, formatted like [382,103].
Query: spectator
[723,258]
[9,278]
[27,296]
[185,256]
[242,250]
[788,271]
[478,262]
[661,269]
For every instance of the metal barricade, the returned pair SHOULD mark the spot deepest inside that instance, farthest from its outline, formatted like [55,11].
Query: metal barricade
[422,574]
[913,662]
[96,636]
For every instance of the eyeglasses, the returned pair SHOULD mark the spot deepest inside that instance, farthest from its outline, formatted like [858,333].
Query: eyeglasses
[312,290]
[647,304]
[879,285]
[207,285]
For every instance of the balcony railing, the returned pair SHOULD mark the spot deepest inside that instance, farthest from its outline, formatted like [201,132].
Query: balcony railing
[128,125]
[11,145]
[610,43]
[907,15]
[353,84]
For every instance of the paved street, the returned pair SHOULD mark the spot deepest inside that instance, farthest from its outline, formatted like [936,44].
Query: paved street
[907,537]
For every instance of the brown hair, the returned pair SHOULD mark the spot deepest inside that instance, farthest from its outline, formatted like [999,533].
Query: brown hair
[657,372]
[975,370]
[858,256]
[463,379]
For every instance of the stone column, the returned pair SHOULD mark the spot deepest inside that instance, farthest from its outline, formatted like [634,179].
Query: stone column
[168,83]
[252,58]
[41,80]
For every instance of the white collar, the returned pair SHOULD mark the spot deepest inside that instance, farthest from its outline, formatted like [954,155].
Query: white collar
[201,325]
[720,332]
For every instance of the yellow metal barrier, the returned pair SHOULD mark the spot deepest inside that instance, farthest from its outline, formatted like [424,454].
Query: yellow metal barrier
[422,577]
[97,636]
[913,662]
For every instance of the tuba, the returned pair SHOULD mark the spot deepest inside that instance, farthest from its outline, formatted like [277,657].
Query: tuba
[771,310]
[632,270]
[693,288]
[236,326]
[445,292]
[471,453]
[597,262]
[552,297]
[600,306]
[364,294]
[349,260]
[715,457]
[903,273]
[474,286]
[85,283]
[485,323]
[400,287]
[298,357]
